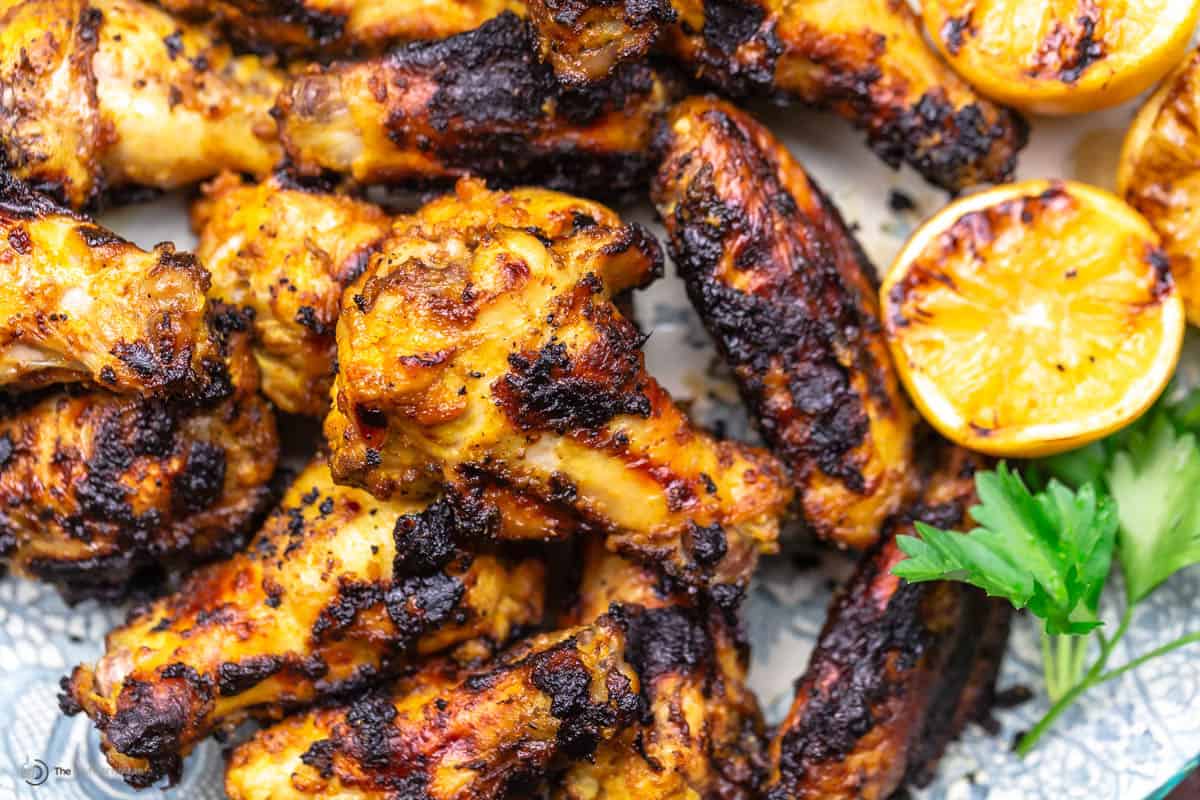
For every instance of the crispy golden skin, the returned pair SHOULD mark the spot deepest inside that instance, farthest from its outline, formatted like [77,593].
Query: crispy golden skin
[338,26]
[480,343]
[586,42]
[96,486]
[100,94]
[899,668]
[867,60]
[477,103]
[286,253]
[439,736]
[78,303]
[789,297]
[337,590]
[1160,174]
[702,733]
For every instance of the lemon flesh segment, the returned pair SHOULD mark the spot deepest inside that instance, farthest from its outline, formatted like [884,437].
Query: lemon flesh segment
[1061,56]
[1033,318]
[1160,174]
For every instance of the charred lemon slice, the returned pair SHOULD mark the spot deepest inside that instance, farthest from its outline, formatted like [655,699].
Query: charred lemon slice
[1061,56]
[1160,174]
[1033,318]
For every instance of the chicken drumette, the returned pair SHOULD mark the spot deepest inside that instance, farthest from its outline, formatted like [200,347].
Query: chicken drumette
[701,732]
[100,94]
[337,591]
[790,299]
[899,668]
[286,253]
[477,103]
[480,345]
[449,733]
[865,59]
[79,303]
[96,486]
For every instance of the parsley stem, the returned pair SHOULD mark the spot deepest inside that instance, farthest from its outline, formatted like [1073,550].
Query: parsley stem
[1094,676]
[1182,641]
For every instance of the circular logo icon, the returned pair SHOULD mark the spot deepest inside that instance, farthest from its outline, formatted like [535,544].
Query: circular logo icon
[34,771]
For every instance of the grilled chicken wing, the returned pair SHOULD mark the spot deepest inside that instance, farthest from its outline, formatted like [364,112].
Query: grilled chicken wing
[336,591]
[286,253]
[479,103]
[95,486]
[586,41]
[701,734]
[338,26]
[865,59]
[100,94]
[78,303]
[480,343]
[788,295]
[440,736]
[896,668]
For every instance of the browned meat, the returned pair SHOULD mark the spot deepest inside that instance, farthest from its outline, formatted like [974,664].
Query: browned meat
[95,486]
[479,103]
[337,591]
[898,668]
[790,299]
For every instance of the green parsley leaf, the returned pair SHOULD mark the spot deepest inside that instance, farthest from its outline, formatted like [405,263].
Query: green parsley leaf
[1154,482]
[1050,551]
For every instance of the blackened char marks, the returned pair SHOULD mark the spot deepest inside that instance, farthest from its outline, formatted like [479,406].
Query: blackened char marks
[553,390]
[322,27]
[430,539]
[484,78]
[560,674]
[202,480]
[666,640]
[18,200]
[740,48]
[415,605]
[945,143]
[235,677]
[797,324]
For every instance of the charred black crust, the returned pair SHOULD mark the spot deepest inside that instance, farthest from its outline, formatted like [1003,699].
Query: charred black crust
[560,674]
[415,604]
[235,677]
[633,12]
[429,540]
[491,95]
[18,200]
[797,324]
[667,640]
[948,145]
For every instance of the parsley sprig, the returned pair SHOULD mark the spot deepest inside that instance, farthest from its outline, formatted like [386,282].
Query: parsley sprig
[1133,498]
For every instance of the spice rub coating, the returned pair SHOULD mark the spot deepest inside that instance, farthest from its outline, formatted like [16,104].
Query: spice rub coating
[286,253]
[447,734]
[91,89]
[337,591]
[481,343]
[789,298]
[96,487]
[478,103]
[80,304]
[898,670]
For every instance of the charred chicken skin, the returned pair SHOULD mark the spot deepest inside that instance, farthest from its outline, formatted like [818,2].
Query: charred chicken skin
[336,591]
[701,733]
[480,344]
[446,735]
[339,26]
[286,254]
[97,486]
[867,60]
[898,669]
[90,90]
[788,296]
[478,103]
[79,303]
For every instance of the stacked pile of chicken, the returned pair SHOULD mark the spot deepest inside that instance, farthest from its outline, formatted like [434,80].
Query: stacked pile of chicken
[400,620]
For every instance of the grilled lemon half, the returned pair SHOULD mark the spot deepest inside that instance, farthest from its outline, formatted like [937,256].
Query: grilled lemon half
[1160,174]
[1033,318]
[1061,56]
